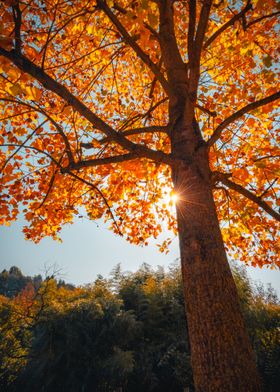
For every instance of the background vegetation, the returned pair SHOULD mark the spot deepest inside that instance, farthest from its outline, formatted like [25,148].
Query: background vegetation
[126,333]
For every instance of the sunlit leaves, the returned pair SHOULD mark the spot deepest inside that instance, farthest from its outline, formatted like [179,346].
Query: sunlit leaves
[78,46]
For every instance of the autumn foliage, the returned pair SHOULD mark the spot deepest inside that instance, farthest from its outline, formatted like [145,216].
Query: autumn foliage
[57,155]
[109,106]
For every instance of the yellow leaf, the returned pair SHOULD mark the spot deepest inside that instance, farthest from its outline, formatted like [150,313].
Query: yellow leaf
[33,93]
[260,164]
[15,89]
[13,73]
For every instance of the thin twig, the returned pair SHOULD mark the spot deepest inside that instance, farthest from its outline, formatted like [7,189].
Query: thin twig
[235,116]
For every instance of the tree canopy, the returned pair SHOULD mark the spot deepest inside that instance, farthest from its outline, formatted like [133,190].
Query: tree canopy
[85,90]
[109,107]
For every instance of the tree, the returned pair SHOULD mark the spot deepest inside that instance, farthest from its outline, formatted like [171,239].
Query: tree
[80,347]
[61,338]
[160,349]
[261,311]
[15,316]
[109,104]
[12,281]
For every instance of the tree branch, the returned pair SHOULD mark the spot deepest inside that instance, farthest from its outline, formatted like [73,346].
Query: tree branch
[152,31]
[62,134]
[262,18]
[229,23]
[202,26]
[35,149]
[17,20]
[60,28]
[51,183]
[173,61]
[223,178]
[23,143]
[133,44]
[194,65]
[102,196]
[191,30]
[130,132]
[24,64]
[205,110]
[57,126]
[151,129]
[246,109]
[45,47]
[100,161]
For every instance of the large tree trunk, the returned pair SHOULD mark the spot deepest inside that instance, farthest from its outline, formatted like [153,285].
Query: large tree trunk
[221,355]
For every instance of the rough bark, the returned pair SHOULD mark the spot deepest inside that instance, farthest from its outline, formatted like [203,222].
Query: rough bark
[222,358]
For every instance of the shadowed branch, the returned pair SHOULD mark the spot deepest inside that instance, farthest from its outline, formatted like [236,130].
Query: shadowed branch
[22,145]
[235,116]
[24,64]
[229,23]
[224,179]
[17,20]
[100,161]
[94,187]
[131,132]
[133,44]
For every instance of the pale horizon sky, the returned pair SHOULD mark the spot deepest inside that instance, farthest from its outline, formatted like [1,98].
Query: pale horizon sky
[89,249]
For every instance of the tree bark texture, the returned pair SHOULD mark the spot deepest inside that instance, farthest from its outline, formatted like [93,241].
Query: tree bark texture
[221,354]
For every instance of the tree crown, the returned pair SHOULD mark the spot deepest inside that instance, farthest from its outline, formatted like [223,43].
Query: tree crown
[89,92]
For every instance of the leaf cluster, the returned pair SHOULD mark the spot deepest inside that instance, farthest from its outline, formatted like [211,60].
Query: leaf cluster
[86,91]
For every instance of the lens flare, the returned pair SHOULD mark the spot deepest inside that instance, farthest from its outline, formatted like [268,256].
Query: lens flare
[174,197]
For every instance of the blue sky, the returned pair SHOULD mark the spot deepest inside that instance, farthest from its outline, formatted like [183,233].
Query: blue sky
[89,249]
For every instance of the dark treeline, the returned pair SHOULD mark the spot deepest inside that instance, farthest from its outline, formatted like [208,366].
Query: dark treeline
[124,334]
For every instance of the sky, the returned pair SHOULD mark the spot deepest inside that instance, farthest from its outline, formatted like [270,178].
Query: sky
[89,249]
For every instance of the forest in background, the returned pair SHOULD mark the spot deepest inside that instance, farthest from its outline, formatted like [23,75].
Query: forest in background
[125,333]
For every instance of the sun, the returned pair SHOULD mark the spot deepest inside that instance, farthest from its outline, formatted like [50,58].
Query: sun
[170,198]
[174,198]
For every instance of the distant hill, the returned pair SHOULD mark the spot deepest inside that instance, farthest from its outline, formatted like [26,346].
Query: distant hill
[13,281]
